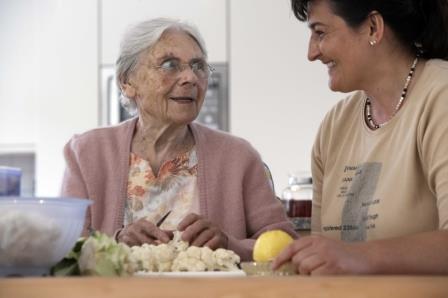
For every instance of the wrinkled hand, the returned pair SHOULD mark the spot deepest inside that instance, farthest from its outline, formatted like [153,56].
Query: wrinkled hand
[317,255]
[143,231]
[198,231]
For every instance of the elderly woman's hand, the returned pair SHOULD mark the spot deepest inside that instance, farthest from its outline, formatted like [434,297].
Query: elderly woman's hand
[198,231]
[143,231]
[317,255]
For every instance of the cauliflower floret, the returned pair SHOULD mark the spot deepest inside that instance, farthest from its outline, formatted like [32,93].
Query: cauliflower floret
[186,261]
[226,260]
[194,252]
[177,242]
[144,257]
[164,254]
[102,256]
[207,258]
[178,256]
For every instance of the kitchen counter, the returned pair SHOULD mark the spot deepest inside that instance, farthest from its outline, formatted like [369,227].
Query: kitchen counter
[344,287]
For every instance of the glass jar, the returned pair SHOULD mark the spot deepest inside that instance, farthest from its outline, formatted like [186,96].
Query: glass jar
[297,200]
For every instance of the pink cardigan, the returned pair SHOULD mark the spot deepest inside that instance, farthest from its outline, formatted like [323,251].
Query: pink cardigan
[234,191]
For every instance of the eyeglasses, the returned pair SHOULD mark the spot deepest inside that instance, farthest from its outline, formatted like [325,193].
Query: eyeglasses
[172,67]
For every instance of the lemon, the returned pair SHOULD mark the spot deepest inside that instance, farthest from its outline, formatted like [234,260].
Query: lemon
[269,244]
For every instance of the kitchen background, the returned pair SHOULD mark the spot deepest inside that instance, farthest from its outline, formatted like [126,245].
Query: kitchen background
[55,56]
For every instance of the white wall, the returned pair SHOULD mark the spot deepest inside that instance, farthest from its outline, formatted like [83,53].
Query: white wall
[18,71]
[67,100]
[208,16]
[278,97]
[49,59]
[48,79]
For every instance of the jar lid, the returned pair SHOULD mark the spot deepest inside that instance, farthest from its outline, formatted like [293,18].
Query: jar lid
[294,179]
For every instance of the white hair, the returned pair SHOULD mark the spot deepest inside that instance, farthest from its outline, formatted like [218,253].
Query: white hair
[141,37]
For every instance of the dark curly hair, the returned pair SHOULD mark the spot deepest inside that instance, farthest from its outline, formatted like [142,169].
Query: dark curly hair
[422,25]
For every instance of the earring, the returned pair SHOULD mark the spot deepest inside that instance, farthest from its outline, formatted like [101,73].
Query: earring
[372,42]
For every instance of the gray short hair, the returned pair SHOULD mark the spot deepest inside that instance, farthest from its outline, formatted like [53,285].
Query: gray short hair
[141,37]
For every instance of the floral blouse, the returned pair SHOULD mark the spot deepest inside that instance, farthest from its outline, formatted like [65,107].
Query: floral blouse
[174,188]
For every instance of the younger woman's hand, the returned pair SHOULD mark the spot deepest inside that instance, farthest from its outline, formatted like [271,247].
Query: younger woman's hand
[317,255]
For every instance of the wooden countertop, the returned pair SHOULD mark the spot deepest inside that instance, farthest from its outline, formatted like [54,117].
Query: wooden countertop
[344,287]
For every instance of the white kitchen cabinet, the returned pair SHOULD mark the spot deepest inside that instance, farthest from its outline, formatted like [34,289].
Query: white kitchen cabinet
[208,16]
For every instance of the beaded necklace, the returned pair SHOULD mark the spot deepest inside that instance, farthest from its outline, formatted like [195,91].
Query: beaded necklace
[368,105]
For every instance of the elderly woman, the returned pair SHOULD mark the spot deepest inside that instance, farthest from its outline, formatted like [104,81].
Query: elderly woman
[212,185]
[380,162]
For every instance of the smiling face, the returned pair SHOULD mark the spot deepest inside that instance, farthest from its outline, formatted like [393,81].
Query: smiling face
[168,97]
[340,47]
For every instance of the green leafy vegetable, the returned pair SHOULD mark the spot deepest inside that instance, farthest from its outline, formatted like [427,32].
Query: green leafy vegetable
[97,255]
[68,266]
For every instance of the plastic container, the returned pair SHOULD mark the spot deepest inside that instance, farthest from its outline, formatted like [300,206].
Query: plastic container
[10,181]
[36,233]
[297,200]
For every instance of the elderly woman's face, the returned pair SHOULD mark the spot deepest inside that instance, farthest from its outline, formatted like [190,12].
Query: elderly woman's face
[164,95]
[341,48]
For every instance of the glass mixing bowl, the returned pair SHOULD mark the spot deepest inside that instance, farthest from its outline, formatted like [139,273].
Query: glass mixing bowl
[36,233]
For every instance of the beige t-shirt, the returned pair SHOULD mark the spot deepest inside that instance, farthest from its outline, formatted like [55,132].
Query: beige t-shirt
[389,182]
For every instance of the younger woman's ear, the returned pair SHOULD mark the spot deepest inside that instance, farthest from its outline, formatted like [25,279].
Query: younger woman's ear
[375,23]
[127,89]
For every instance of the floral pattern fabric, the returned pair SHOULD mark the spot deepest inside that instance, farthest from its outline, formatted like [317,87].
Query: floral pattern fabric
[174,189]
